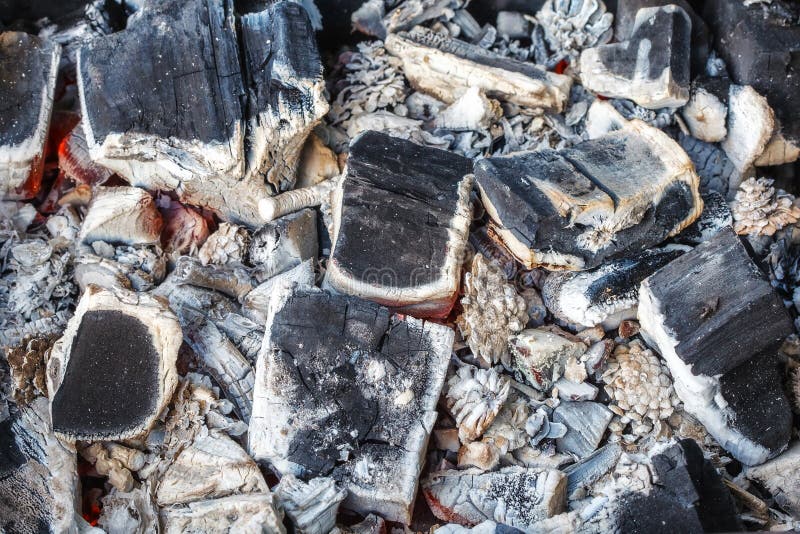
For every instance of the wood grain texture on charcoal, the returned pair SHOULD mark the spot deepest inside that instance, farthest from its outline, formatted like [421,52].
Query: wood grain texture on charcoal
[401,220]
[28,68]
[345,389]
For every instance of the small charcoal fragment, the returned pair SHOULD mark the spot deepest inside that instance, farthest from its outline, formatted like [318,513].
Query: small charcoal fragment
[586,423]
[401,224]
[651,68]
[582,475]
[127,343]
[602,199]
[29,66]
[718,323]
[779,476]
[283,244]
[540,356]
[346,390]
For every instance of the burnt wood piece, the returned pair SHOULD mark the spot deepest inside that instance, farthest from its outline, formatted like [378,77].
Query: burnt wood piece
[651,68]
[283,74]
[718,323]
[284,243]
[602,199]
[606,295]
[74,160]
[716,216]
[255,512]
[779,476]
[121,215]
[347,390]
[29,66]
[113,371]
[586,423]
[161,105]
[445,67]
[760,44]
[711,163]
[625,20]
[38,474]
[401,222]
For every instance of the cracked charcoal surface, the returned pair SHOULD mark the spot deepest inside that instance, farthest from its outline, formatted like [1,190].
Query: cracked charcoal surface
[111,377]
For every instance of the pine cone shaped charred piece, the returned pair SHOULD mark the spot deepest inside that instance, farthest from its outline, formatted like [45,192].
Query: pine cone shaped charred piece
[27,363]
[761,210]
[474,398]
[493,312]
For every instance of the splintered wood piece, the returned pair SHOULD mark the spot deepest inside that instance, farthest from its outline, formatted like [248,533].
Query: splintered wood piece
[232,280]
[523,497]
[401,223]
[256,512]
[113,371]
[39,482]
[445,67]
[602,199]
[346,390]
[606,295]
[121,215]
[211,466]
[29,66]
[161,105]
[718,323]
[285,89]
[651,68]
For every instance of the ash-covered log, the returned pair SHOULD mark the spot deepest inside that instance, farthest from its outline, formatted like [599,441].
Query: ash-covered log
[346,390]
[651,68]
[29,66]
[401,222]
[718,323]
[445,67]
[602,199]
[285,90]
[162,105]
[113,371]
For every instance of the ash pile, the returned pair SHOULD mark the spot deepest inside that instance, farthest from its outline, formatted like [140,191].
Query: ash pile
[399,266]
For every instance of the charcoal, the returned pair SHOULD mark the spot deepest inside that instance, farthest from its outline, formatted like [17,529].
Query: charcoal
[29,66]
[401,222]
[606,295]
[346,390]
[522,497]
[540,356]
[167,114]
[284,244]
[583,474]
[285,89]
[76,162]
[625,21]
[256,302]
[312,506]
[653,512]
[779,477]
[711,163]
[683,471]
[445,67]
[718,323]
[38,474]
[759,45]
[586,423]
[231,280]
[705,115]
[716,216]
[602,199]
[257,512]
[121,215]
[651,67]
[128,344]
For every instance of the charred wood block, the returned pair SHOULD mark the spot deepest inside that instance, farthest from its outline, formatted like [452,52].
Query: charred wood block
[113,371]
[29,66]
[38,474]
[718,323]
[602,199]
[759,44]
[258,512]
[606,295]
[523,497]
[445,67]
[121,215]
[346,390]
[161,105]
[401,223]
[582,475]
[285,88]
[683,471]
[651,68]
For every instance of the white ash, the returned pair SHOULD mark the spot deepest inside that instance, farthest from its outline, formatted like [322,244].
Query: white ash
[761,210]
[475,397]
[311,505]
[132,511]
[570,26]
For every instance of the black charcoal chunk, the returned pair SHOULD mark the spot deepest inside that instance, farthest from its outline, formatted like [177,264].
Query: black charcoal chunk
[759,44]
[651,67]
[346,390]
[606,295]
[113,371]
[28,67]
[602,199]
[401,223]
[716,216]
[582,475]
[718,323]
[711,163]
[656,512]
[586,423]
